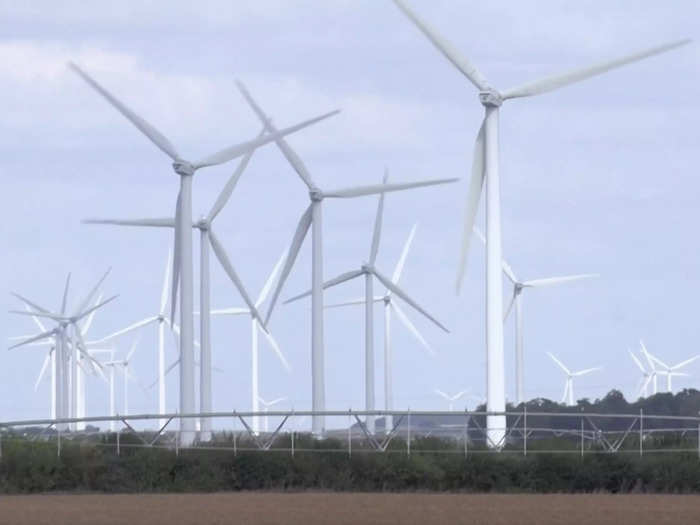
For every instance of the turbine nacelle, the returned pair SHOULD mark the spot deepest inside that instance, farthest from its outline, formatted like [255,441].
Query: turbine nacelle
[316,195]
[183,168]
[490,98]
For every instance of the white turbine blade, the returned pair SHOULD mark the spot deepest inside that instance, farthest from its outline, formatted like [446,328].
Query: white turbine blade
[372,189]
[275,401]
[276,348]
[32,313]
[684,363]
[97,306]
[29,303]
[348,303]
[646,384]
[476,184]
[271,279]
[147,129]
[560,80]
[124,331]
[510,305]
[89,296]
[170,367]
[647,356]
[328,284]
[134,346]
[586,371]
[220,253]
[377,233]
[166,282]
[176,259]
[85,328]
[411,327]
[659,361]
[458,395]
[230,311]
[468,69]
[291,156]
[44,367]
[65,296]
[227,191]
[561,365]
[550,281]
[237,150]
[507,270]
[156,222]
[82,348]
[295,246]
[37,337]
[679,374]
[637,361]
[442,394]
[403,295]
[398,270]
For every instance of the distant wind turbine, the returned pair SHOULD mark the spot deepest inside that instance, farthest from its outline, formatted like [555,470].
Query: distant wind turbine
[672,371]
[568,396]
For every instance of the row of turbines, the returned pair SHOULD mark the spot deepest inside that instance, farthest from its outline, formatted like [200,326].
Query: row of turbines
[73,355]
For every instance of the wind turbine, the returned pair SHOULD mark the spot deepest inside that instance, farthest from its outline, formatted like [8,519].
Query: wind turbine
[266,408]
[450,398]
[208,238]
[516,299]
[182,262]
[369,271]
[647,376]
[671,371]
[124,365]
[652,366]
[390,305]
[255,329]
[568,397]
[65,323]
[485,168]
[312,218]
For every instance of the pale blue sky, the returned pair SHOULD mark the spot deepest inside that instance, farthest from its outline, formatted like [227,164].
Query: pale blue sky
[598,177]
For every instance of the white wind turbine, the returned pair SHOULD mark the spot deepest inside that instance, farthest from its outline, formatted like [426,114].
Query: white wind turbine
[568,396]
[647,376]
[671,371]
[182,261]
[369,271]
[207,238]
[255,330]
[70,344]
[391,305]
[450,398]
[652,366]
[312,218]
[162,320]
[123,365]
[516,299]
[266,408]
[485,168]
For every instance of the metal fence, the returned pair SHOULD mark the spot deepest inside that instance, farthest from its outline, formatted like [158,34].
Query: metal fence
[397,432]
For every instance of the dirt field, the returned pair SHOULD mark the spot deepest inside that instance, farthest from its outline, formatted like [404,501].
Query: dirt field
[331,508]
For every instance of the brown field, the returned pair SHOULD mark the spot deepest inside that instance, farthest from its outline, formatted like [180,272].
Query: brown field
[334,508]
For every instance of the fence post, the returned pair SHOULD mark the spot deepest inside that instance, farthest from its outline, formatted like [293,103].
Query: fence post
[581,436]
[292,443]
[466,433]
[0,444]
[58,441]
[699,440]
[641,432]
[349,433]
[524,430]
[408,438]
[118,444]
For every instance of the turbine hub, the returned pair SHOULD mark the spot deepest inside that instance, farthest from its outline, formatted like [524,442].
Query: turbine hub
[316,195]
[202,224]
[367,268]
[183,168]
[490,98]
[386,299]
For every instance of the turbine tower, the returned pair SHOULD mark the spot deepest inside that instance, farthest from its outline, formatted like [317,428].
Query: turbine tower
[485,170]
[312,218]
[568,396]
[516,299]
[182,261]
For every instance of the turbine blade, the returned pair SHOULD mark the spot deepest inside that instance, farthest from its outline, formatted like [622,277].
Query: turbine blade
[510,305]
[134,346]
[166,281]
[295,246]
[37,337]
[226,192]
[476,185]
[507,270]
[147,129]
[550,281]
[91,295]
[637,361]
[684,363]
[158,222]
[468,69]
[291,156]
[237,150]
[230,311]
[127,330]
[29,303]
[561,365]
[377,233]
[586,371]
[271,279]
[403,295]
[220,253]
[176,259]
[442,394]
[65,296]
[347,303]
[328,284]
[570,77]
[411,327]
[276,348]
[98,305]
[361,191]
[404,253]
[90,318]
[38,314]
[44,367]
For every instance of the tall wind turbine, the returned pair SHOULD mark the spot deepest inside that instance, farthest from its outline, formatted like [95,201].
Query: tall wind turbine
[671,371]
[255,330]
[208,238]
[485,168]
[312,218]
[182,262]
[391,305]
[266,408]
[369,271]
[568,396]
[516,299]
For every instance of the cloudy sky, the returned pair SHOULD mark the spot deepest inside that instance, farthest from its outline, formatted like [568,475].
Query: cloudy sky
[598,177]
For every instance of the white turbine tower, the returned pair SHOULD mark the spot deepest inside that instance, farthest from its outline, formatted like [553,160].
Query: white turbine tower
[266,408]
[255,330]
[485,168]
[369,271]
[391,305]
[182,262]
[516,300]
[647,376]
[671,371]
[312,218]
[568,396]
